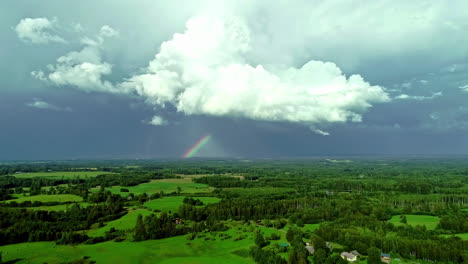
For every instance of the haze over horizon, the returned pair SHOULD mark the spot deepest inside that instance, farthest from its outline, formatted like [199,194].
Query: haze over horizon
[149,79]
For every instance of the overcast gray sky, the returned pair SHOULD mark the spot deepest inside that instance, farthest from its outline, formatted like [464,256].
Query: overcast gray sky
[148,79]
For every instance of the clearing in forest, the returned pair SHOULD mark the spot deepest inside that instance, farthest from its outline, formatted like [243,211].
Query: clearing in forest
[164,251]
[126,222]
[172,203]
[166,186]
[429,221]
[62,174]
[61,198]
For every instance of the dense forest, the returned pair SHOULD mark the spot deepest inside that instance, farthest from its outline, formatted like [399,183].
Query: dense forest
[354,203]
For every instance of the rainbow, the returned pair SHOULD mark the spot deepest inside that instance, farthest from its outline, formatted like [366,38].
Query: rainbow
[196,147]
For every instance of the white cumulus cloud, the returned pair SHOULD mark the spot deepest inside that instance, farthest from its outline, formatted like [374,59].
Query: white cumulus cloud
[41,104]
[157,121]
[319,131]
[38,30]
[83,69]
[464,87]
[204,71]
[418,97]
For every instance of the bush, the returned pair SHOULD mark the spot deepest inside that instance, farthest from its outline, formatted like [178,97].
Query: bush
[273,236]
[191,236]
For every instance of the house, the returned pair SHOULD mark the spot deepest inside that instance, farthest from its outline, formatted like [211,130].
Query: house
[310,249]
[355,253]
[348,256]
[385,258]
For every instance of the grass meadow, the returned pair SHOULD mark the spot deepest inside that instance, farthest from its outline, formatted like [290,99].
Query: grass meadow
[172,203]
[463,236]
[166,186]
[256,192]
[429,221]
[126,222]
[202,250]
[62,174]
[49,198]
[60,207]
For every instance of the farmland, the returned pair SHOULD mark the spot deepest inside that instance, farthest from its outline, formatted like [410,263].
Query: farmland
[61,174]
[430,222]
[61,198]
[172,203]
[157,186]
[206,248]
[126,222]
[463,236]
[166,251]
[237,212]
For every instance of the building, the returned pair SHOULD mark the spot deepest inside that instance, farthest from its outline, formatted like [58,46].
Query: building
[348,256]
[385,258]
[310,249]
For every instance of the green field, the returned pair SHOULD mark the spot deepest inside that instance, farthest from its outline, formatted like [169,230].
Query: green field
[463,236]
[256,192]
[429,221]
[19,195]
[62,174]
[126,222]
[165,251]
[172,203]
[49,198]
[310,227]
[60,207]
[156,186]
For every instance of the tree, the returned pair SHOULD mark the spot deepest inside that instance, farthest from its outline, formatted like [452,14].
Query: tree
[292,258]
[179,190]
[139,229]
[259,240]
[299,223]
[341,261]
[290,235]
[318,243]
[403,219]
[332,259]
[292,219]
[301,257]
[373,256]
[320,256]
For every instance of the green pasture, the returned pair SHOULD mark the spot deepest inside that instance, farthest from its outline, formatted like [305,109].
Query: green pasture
[62,174]
[49,198]
[60,207]
[172,203]
[463,236]
[310,227]
[256,192]
[429,221]
[19,195]
[157,186]
[126,222]
[203,250]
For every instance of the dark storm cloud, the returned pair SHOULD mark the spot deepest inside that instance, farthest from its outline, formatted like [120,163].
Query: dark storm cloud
[412,49]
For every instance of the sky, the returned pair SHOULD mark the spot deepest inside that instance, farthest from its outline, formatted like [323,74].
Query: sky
[148,79]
